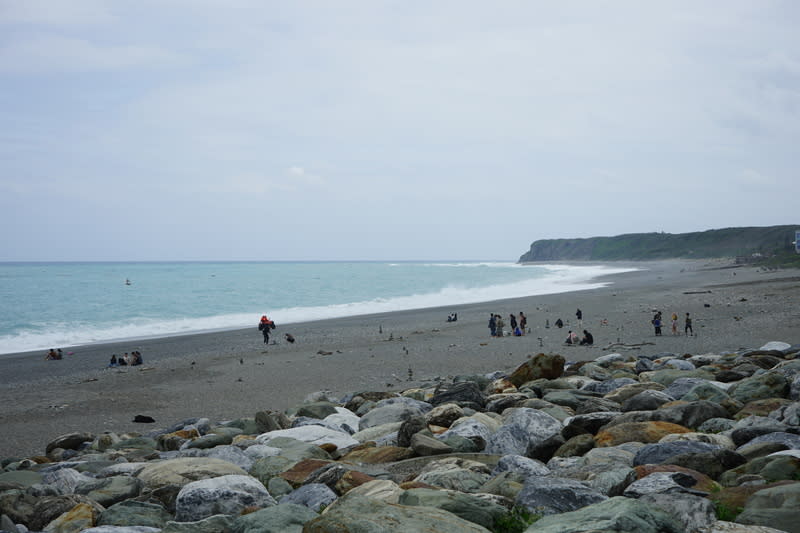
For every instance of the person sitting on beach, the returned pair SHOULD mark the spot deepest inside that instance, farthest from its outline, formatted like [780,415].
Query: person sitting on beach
[51,355]
[289,338]
[518,331]
[113,362]
[136,359]
[587,339]
[122,360]
[572,338]
[559,323]
[60,353]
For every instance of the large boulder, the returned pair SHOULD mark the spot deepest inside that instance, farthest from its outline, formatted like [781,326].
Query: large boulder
[359,514]
[775,507]
[283,518]
[220,495]
[538,366]
[524,432]
[467,506]
[185,470]
[315,496]
[317,435]
[552,495]
[614,514]
[759,387]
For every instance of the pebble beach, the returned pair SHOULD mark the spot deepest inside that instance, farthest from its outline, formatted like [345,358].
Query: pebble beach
[230,375]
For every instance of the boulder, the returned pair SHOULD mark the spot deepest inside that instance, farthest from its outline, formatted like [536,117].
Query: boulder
[455,474]
[614,514]
[466,506]
[228,494]
[463,394]
[775,507]
[693,512]
[283,518]
[759,387]
[316,435]
[521,465]
[647,432]
[524,432]
[553,495]
[133,513]
[185,470]
[213,524]
[315,496]
[538,366]
[357,513]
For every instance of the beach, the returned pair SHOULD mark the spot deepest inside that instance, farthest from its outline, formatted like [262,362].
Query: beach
[230,374]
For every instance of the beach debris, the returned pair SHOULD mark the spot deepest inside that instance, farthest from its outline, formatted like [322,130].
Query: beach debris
[484,344]
[144,419]
[380,329]
[87,380]
[241,361]
[697,292]
[706,305]
[323,352]
[410,374]
[240,380]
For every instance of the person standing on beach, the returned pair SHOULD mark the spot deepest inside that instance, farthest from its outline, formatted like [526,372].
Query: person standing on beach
[493,325]
[523,322]
[687,326]
[264,326]
[498,321]
[579,316]
[513,321]
[657,323]
[674,323]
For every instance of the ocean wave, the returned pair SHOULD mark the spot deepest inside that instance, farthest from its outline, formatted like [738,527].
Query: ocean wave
[560,278]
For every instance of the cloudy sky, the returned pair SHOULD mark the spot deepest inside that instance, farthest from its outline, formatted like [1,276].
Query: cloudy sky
[266,130]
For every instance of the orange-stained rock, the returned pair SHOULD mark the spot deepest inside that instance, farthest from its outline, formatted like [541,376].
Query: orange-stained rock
[501,385]
[350,480]
[329,447]
[761,407]
[646,432]
[379,454]
[702,481]
[298,474]
[82,516]
[40,459]
[538,366]
[437,430]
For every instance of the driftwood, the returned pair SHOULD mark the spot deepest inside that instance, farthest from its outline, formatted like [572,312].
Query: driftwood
[697,292]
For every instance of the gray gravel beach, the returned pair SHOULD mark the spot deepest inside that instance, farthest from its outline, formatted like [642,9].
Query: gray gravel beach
[223,375]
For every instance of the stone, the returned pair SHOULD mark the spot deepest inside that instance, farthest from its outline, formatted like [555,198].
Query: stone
[659,483]
[466,506]
[228,494]
[48,508]
[594,372]
[576,446]
[613,514]
[647,432]
[465,394]
[379,489]
[604,387]
[111,490]
[524,431]
[497,403]
[79,518]
[317,435]
[774,507]
[212,524]
[383,432]
[723,441]
[185,470]
[721,526]
[380,454]
[538,366]
[315,496]
[587,423]
[133,513]
[693,512]
[669,376]
[65,480]
[761,386]
[268,467]
[317,410]
[122,529]
[524,466]
[282,518]
[409,427]
[790,440]
[698,481]
[267,421]
[553,495]
[647,400]
[444,414]
[628,391]
[662,452]
[455,474]
[692,414]
[69,441]
[425,445]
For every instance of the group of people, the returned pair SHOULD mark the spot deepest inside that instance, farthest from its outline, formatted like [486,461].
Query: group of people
[54,355]
[452,317]
[572,338]
[132,359]
[687,324]
[518,326]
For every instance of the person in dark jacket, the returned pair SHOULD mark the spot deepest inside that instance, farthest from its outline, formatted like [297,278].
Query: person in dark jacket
[587,339]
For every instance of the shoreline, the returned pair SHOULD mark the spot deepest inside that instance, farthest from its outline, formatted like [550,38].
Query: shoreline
[228,374]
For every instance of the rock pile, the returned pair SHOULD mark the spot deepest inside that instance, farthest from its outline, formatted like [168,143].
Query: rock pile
[655,443]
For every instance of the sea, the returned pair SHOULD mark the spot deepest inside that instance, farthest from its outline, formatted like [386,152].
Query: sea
[59,305]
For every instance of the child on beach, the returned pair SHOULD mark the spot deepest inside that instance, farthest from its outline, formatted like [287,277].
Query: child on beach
[674,323]
[687,326]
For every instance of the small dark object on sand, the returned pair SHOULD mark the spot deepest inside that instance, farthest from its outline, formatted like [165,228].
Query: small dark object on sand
[289,338]
[323,352]
[144,419]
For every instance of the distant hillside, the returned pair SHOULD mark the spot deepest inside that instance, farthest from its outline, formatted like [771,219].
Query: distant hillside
[729,242]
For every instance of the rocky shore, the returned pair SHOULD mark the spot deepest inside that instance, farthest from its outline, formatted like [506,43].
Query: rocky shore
[647,442]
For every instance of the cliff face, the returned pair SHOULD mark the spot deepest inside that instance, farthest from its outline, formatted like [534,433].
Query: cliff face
[729,242]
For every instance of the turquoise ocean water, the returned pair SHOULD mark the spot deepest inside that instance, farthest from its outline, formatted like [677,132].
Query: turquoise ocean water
[44,305]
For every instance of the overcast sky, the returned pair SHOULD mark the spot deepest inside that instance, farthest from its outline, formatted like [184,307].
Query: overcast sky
[267,130]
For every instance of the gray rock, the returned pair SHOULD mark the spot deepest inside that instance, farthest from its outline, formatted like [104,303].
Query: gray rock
[425,445]
[315,496]
[466,506]
[774,507]
[69,441]
[716,425]
[318,410]
[647,400]
[221,495]
[387,414]
[122,529]
[604,387]
[282,518]
[660,483]
[587,423]
[682,386]
[111,490]
[654,454]
[692,511]
[212,524]
[65,480]
[790,440]
[523,432]
[553,495]
[365,515]
[444,415]
[455,474]
[133,513]
[521,465]
[759,387]
[464,394]
[615,514]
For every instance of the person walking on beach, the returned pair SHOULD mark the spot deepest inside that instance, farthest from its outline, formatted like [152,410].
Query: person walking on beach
[493,325]
[687,326]
[264,326]
[674,323]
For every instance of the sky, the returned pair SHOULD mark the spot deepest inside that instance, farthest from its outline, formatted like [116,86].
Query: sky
[388,130]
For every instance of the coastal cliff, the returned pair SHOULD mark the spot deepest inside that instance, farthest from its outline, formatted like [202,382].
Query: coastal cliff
[728,242]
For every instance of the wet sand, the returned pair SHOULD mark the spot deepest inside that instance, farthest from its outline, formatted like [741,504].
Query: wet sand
[231,374]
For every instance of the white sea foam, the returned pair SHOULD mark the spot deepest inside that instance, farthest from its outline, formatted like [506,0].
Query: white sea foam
[560,278]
